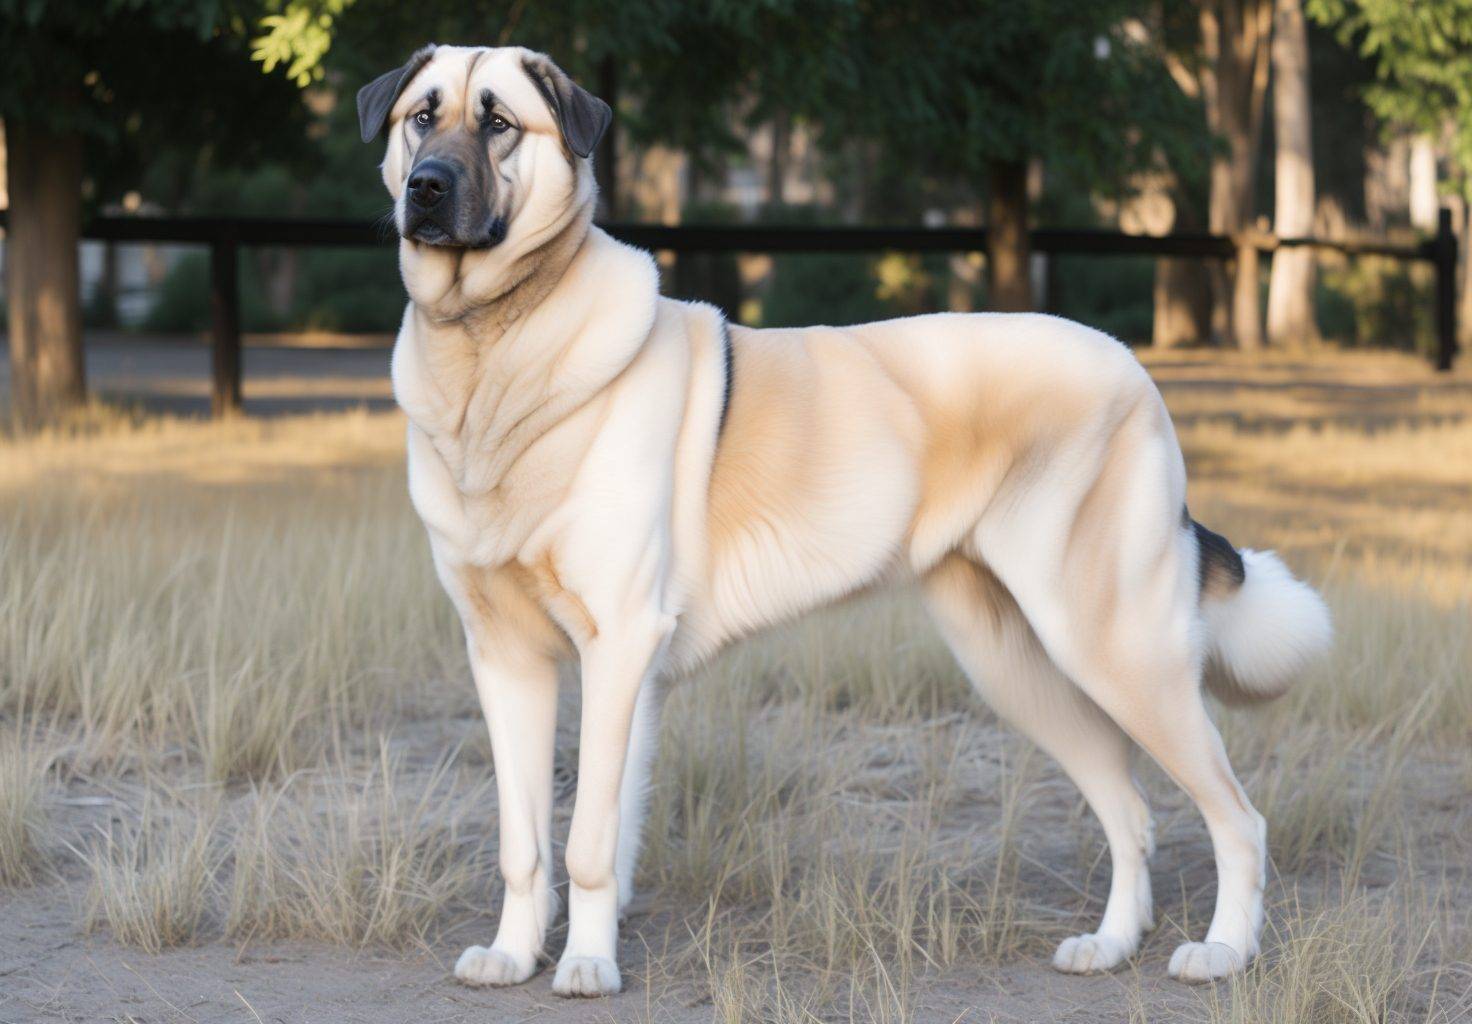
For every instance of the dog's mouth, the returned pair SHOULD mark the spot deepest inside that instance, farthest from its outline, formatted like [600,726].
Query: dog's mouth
[426,232]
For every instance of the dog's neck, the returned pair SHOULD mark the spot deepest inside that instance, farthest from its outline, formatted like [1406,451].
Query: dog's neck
[486,292]
[487,382]
[457,336]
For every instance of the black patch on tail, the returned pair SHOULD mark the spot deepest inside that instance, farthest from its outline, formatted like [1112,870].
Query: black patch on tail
[1219,567]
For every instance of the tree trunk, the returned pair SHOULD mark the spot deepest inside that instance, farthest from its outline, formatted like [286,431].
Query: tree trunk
[1181,296]
[1246,299]
[777,159]
[1291,321]
[1182,284]
[1387,163]
[104,303]
[1463,219]
[1234,80]
[1182,303]
[280,270]
[45,186]
[1425,203]
[1008,249]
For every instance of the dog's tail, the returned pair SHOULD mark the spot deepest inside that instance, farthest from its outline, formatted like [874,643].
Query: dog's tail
[1263,626]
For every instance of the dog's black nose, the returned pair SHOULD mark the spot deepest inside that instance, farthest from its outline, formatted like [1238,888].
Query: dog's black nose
[430,182]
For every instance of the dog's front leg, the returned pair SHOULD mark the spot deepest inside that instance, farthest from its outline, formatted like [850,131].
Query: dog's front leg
[519,697]
[615,667]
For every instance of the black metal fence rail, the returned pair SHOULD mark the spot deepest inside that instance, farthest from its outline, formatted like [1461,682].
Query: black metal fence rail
[226,235]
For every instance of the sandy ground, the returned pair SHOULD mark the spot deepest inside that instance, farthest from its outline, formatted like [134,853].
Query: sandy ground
[64,978]
[49,971]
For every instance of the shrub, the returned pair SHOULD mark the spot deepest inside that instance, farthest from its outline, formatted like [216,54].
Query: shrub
[183,303]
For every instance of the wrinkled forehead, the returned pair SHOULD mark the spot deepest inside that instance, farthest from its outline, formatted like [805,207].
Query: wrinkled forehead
[460,75]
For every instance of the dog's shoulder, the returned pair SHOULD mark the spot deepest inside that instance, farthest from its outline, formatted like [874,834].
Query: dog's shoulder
[616,271]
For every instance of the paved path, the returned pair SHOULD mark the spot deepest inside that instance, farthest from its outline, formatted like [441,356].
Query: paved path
[172,374]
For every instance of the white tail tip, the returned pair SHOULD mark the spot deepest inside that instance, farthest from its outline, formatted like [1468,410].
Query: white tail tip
[1263,635]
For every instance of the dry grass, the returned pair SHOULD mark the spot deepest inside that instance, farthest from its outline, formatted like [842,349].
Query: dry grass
[23,784]
[837,828]
[373,860]
[151,881]
[1359,960]
[167,604]
[356,854]
[849,870]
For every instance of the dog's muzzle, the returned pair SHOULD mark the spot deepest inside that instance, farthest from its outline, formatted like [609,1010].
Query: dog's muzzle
[435,212]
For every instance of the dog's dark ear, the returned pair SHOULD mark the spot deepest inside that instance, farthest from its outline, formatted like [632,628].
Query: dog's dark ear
[377,98]
[582,117]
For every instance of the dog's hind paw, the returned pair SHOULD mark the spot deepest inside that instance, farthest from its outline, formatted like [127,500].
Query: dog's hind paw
[1086,954]
[481,966]
[1199,962]
[586,976]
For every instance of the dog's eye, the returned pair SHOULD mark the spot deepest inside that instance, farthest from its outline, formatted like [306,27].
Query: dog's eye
[424,119]
[498,124]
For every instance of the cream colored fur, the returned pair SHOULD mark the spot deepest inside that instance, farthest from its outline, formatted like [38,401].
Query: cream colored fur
[583,502]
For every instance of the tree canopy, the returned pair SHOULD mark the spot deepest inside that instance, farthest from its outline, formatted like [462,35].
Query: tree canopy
[946,87]
[1422,54]
[94,69]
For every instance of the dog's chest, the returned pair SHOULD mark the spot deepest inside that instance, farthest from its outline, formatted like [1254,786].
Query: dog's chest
[487,515]
[479,504]
[465,528]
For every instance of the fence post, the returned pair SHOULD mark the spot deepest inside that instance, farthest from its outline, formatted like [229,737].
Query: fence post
[1444,252]
[225,325]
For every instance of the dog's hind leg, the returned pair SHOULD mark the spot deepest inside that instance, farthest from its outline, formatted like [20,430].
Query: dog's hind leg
[1110,587]
[1155,696]
[1009,668]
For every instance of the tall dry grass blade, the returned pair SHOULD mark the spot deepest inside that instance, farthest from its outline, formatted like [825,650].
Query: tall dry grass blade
[151,882]
[23,785]
[372,862]
[1355,962]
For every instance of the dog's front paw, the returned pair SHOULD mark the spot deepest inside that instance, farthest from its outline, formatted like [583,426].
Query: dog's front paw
[1198,962]
[586,976]
[481,966]
[1086,954]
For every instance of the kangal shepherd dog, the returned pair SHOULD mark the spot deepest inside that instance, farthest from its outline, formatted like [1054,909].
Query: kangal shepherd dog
[633,482]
